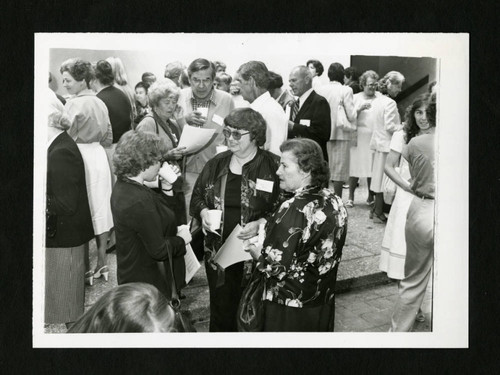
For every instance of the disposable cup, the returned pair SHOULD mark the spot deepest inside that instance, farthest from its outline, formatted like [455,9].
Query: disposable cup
[167,173]
[214,217]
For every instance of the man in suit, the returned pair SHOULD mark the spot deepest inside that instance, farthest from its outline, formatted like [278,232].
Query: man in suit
[202,106]
[310,114]
[253,80]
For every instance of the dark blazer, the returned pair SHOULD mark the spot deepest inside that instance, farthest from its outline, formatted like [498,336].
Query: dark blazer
[119,108]
[69,223]
[146,231]
[317,110]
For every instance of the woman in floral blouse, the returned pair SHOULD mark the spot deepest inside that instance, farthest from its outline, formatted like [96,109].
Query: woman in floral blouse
[242,182]
[303,245]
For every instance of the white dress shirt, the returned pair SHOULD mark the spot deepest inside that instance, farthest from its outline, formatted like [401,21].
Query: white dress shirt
[277,123]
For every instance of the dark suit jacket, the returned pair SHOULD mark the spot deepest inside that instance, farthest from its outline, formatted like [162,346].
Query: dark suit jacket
[119,108]
[317,110]
[67,203]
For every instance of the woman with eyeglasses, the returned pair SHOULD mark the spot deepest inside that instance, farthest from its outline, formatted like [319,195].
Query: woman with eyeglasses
[242,183]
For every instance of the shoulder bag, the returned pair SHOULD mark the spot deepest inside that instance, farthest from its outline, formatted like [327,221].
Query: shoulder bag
[342,122]
[250,315]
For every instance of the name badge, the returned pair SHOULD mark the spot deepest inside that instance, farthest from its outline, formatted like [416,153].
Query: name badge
[264,185]
[305,122]
[217,119]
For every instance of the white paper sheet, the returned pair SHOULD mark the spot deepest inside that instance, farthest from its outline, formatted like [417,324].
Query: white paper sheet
[192,263]
[194,138]
[232,251]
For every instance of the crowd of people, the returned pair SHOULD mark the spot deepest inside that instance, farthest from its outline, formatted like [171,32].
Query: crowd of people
[274,169]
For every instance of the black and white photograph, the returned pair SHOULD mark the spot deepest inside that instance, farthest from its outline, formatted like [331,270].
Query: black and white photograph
[251,190]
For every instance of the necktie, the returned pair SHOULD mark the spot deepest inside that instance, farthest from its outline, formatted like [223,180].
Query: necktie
[295,110]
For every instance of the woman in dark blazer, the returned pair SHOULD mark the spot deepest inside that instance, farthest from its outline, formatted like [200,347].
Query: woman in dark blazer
[145,225]
[68,226]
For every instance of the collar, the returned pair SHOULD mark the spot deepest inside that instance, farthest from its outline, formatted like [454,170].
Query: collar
[211,98]
[262,99]
[86,92]
[304,96]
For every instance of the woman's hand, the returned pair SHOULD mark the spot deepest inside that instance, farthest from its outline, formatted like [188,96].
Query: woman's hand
[195,118]
[253,250]
[184,233]
[364,106]
[205,221]
[176,153]
[250,229]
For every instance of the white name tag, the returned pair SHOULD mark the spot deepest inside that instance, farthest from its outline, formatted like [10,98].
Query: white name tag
[217,119]
[305,122]
[264,185]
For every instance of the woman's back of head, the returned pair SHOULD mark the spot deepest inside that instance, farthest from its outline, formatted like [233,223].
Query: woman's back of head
[133,307]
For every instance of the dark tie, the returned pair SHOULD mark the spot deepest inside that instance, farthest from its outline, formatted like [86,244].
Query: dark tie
[295,110]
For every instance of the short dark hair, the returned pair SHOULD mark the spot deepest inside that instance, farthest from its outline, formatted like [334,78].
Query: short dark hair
[79,69]
[136,151]
[248,119]
[275,81]
[104,72]
[317,65]
[200,64]
[257,70]
[309,158]
[336,72]
[131,307]
[143,85]
[352,73]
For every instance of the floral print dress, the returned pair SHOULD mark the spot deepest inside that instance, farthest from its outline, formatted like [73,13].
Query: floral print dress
[303,247]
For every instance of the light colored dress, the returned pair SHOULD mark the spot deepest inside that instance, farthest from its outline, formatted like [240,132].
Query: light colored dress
[361,155]
[393,254]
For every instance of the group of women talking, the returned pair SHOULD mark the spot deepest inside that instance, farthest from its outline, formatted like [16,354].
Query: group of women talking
[107,181]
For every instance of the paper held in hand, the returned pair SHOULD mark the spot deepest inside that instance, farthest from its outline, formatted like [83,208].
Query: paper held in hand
[232,251]
[194,138]
[192,263]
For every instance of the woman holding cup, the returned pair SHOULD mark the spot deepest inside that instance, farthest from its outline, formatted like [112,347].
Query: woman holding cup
[146,227]
[238,186]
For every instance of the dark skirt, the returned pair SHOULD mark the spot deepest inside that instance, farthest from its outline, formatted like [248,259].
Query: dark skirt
[64,284]
[281,318]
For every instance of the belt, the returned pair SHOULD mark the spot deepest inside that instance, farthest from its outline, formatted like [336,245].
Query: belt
[423,196]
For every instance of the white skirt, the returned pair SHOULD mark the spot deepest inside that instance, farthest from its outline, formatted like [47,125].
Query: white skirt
[361,155]
[98,180]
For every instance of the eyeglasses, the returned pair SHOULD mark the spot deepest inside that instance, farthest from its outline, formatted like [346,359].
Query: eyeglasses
[236,134]
[373,85]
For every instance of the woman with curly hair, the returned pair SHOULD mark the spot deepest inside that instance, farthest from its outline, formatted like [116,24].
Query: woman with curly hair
[145,225]
[242,183]
[392,257]
[387,121]
[303,244]
[91,130]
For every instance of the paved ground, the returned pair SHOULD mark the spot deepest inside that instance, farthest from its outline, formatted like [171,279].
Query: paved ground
[365,296]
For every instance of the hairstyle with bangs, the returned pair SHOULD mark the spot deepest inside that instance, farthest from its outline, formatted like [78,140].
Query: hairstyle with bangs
[136,151]
[79,69]
[309,158]
[248,119]
[131,307]
[162,89]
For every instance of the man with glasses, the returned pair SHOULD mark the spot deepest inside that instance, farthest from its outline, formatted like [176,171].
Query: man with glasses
[203,106]
[253,80]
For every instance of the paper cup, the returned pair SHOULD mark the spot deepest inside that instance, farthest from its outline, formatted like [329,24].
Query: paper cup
[203,111]
[167,173]
[214,217]
[220,149]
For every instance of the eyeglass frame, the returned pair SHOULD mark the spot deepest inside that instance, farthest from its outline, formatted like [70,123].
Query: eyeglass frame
[228,133]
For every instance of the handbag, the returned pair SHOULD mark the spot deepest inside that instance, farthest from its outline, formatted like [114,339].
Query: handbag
[182,321]
[342,122]
[250,314]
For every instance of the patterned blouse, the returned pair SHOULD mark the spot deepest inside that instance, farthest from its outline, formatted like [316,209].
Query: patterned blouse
[303,247]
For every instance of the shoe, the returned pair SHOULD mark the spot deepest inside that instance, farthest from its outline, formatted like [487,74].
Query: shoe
[349,203]
[89,278]
[379,219]
[110,249]
[103,271]
[370,202]
[345,186]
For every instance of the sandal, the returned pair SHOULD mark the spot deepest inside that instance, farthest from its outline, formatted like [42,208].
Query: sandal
[379,219]
[349,203]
